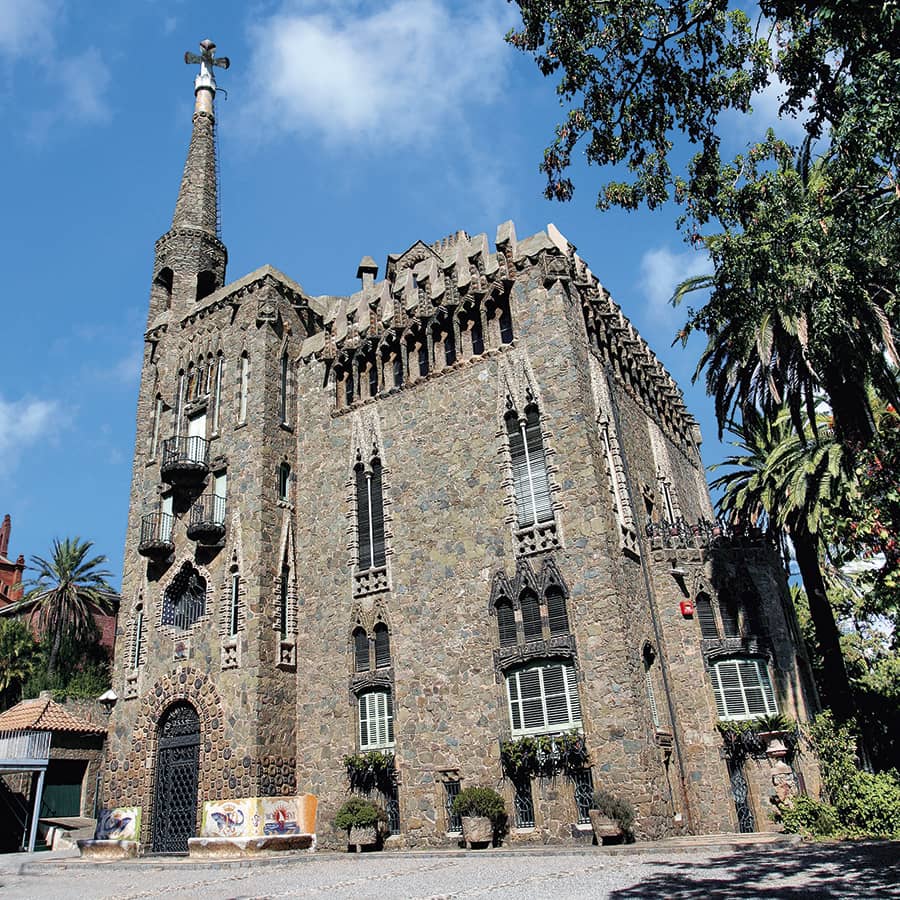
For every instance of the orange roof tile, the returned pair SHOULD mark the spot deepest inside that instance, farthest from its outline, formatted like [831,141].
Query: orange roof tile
[44,714]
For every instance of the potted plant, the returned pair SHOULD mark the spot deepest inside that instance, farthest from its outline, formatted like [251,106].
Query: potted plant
[362,820]
[483,813]
[612,818]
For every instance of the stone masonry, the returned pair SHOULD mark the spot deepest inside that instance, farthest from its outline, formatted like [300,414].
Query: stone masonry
[248,610]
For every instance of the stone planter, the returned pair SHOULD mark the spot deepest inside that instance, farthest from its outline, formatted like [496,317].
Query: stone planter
[775,746]
[605,829]
[477,830]
[363,837]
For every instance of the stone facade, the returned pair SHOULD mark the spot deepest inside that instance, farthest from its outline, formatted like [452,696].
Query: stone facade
[368,449]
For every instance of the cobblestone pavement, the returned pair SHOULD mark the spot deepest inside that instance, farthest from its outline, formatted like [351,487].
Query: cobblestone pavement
[842,872]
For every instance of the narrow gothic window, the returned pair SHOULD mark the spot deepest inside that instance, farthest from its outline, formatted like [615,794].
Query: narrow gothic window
[283,601]
[376,720]
[449,343]
[179,403]
[423,357]
[234,605]
[532,486]
[613,474]
[138,636]
[184,601]
[649,660]
[531,616]
[506,325]
[506,622]
[523,802]
[206,284]
[217,397]
[244,389]
[360,650]
[728,609]
[557,615]
[164,283]
[283,411]
[373,379]
[157,418]
[370,515]
[667,500]
[284,481]
[397,368]
[543,698]
[382,646]
[477,334]
[706,617]
[742,689]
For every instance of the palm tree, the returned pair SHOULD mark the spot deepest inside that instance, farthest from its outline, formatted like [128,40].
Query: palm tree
[785,482]
[67,590]
[18,652]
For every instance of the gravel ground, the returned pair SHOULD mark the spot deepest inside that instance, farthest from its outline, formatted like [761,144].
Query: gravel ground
[842,872]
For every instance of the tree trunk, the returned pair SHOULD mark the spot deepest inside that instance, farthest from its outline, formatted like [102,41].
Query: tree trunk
[834,673]
[54,651]
[853,422]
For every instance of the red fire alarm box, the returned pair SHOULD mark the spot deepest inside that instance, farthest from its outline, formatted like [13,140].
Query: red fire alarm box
[687,608]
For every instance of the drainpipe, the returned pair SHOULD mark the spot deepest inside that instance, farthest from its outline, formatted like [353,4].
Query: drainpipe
[657,631]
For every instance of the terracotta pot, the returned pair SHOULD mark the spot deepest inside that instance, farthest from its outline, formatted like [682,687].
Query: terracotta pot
[477,830]
[363,837]
[605,829]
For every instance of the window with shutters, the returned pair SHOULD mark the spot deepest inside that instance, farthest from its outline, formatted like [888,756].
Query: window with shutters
[376,720]
[360,650]
[729,611]
[540,618]
[557,616]
[543,698]
[370,515]
[742,688]
[506,622]
[709,630]
[529,468]
[531,616]
[382,646]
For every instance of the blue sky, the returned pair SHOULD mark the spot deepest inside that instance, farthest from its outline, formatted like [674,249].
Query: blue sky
[350,128]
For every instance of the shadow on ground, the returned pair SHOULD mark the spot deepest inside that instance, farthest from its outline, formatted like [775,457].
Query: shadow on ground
[850,871]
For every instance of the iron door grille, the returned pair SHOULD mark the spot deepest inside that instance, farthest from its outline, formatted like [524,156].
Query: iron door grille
[175,812]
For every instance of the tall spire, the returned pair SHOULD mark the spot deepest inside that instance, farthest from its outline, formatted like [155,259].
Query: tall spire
[197,205]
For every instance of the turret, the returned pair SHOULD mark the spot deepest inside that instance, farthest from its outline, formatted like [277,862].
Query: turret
[190,258]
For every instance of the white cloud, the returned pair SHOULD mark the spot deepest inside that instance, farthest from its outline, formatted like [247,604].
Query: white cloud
[26,26]
[662,271]
[23,422]
[393,73]
[84,80]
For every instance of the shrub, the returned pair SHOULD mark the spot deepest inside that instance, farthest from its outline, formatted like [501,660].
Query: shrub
[480,801]
[811,818]
[615,808]
[358,812]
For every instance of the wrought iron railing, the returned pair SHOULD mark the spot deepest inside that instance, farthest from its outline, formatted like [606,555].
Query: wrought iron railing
[704,534]
[188,451]
[208,510]
[156,529]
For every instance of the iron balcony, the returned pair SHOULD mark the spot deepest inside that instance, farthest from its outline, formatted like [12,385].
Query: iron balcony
[156,535]
[185,460]
[207,520]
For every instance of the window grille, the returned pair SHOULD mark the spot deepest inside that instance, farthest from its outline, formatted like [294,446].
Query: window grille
[651,696]
[454,820]
[370,515]
[506,623]
[523,803]
[706,617]
[531,616]
[361,650]
[283,601]
[234,607]
[376,720]
[138,636]
[557,615]
[382,646]
[529,464]
[543,698]
[583,789]
[742,688]
[392,808]
[184,601]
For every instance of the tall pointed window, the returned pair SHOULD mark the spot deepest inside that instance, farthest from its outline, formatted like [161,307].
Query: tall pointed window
[531,616]
[706,617]
[283,601]
[370,515]
[217,394]
[382,646]
[360,650]
[284,481]
[558,617]
[157,418]
[506,622]
[184,601]
[649,660]
[529,465]
[285,373]
[244,389]
[234,606]
[138,636]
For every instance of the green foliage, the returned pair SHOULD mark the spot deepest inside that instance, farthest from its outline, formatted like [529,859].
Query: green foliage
[19,657]
[615,808]
[357,812]
[866,804]
[544,755]
[749,737]
[811,818]
[370,770]
[82,670]
[480,801]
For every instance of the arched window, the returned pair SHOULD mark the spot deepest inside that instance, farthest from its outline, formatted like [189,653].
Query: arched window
[370,515]
[532,485]
[506,325]
[397,367]
[558,617]
[422,351]
[206,284]
[373,378]
[730,613]
[382,646]
[531,616]
[360,650]
[742,688]
[162,287]
[706,617]
[284,481]
[376,720]
[184,601]
[506,622]
[543,697]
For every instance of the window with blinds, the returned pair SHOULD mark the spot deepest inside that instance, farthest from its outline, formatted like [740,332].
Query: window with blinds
[531,616]
[506,623]
[382,646]
[728,609]
[543,698]
[706,617]
[360,650]
[376,721]
[558,618]
[529,464]
[742,689]
[370,515]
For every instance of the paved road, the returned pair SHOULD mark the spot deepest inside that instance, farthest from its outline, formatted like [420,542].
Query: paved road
[841,872]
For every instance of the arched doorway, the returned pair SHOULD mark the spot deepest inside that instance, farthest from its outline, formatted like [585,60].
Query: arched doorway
[177,760]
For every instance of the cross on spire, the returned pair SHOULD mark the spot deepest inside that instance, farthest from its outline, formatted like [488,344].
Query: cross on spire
[206,80]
